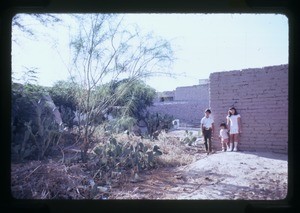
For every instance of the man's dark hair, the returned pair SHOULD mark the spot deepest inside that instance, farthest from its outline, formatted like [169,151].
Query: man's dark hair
[208,110]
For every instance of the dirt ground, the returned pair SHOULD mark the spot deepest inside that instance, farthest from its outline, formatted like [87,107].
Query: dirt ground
[221,175]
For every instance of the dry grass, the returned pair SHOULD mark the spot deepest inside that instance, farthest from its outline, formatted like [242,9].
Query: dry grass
[175,152]
[70,178]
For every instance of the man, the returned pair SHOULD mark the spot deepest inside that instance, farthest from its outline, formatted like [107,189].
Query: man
[207,127]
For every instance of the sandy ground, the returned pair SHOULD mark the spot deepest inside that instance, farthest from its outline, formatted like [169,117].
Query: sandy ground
[222,176]
[237,175]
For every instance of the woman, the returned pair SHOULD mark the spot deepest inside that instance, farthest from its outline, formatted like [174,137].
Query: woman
[234,127]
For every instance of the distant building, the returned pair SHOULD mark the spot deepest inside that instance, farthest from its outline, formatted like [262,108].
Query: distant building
[203,81]
[165,96]
[186,104]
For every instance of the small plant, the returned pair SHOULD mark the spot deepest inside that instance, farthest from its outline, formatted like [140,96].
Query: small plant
[189,138]
[157,122]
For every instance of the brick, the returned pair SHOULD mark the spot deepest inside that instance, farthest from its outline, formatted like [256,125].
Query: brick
[260,95]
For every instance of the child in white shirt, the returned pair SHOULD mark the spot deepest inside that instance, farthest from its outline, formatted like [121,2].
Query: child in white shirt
[224,137]
[234,124]
[207,127]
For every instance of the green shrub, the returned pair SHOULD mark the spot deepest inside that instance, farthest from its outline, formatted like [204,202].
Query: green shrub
[189,138]
[114,155]
[34,130]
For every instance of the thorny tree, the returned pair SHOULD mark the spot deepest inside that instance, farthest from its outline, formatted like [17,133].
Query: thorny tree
[105,51]
[24,24]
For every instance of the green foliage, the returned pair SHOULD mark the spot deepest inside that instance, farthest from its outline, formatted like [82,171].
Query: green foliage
[63,94]
[34,130]
[121,124]
[114,155]
[105,49]
[131,99]
[189,138]
[157,122]
[29,31]
[136,98]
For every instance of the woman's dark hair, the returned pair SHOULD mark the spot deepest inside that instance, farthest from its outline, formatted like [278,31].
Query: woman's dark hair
[235,112]
[223,124]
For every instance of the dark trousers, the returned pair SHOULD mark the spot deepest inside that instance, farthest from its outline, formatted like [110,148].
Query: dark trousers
[207,137]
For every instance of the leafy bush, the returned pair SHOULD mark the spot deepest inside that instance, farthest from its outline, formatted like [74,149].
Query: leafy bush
[34,129]
[63,95]
[157,122]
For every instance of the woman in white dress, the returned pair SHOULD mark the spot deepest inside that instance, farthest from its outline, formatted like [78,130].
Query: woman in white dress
[234,127]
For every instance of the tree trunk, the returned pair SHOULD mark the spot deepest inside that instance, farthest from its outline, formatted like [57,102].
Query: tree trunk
[84,149]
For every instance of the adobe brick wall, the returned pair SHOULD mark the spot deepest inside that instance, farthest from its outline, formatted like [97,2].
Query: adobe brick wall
[261,97]
[187,112]
[192,93]
[188,105]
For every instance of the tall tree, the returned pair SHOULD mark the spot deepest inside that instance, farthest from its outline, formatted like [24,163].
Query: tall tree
[19,22]
[137,98]
[104,50]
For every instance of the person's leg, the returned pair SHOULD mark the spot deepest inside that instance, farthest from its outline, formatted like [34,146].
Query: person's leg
[231,138]
[236,141]
[224,144]
[227,144]
[209,140]
[205,140]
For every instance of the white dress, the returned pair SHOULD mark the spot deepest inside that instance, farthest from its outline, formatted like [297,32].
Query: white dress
[223,133]
[234,127]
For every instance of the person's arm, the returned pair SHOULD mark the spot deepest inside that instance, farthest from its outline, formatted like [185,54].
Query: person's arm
[201,126]
[212,128]
[228,123]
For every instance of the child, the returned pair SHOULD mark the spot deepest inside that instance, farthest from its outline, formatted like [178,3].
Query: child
[234,124]
[207,127]
[224,136]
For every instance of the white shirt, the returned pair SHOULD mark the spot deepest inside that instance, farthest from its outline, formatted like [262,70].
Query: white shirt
[224,133]
[207,122]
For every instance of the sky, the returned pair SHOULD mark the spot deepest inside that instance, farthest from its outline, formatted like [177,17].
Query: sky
[202,43]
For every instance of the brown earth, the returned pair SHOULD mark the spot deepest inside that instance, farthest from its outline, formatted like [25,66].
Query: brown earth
[221,175]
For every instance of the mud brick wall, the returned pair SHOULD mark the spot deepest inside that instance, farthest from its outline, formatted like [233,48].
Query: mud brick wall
[261,97]
[192,93]
[187,112]
[188,105]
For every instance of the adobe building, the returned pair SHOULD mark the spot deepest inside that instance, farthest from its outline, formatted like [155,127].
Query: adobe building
[260,95]
[261,98]
[184,103]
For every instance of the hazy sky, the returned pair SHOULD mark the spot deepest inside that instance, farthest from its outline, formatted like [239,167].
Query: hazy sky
[203,43]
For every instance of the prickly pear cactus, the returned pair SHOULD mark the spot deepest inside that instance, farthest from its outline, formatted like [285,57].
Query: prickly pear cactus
[114,155]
